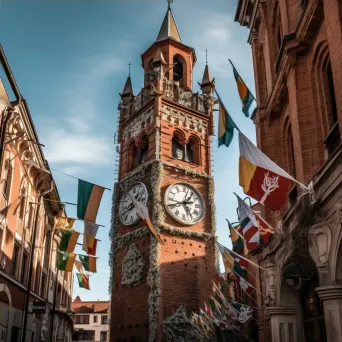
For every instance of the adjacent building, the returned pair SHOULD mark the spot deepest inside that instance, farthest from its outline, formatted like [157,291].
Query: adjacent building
[297,56]
[91,320]
[165,150]
[29,201]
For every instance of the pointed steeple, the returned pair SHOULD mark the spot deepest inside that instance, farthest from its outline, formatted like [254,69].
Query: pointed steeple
[128,90]
[207,79]
[169,28]
[208,83]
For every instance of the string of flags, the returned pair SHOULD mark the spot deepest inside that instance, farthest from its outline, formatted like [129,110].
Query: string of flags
[88,201]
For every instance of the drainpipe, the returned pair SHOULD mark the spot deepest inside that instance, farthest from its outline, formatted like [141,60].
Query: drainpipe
[33,243]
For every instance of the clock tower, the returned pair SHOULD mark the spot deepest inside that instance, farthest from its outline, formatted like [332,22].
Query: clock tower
[164,136]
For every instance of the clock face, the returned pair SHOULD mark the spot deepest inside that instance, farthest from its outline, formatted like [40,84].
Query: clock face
[184,203]
[127,212]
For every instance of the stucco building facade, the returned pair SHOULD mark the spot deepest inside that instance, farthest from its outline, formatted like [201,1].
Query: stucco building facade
[297,56]
[25,180]
[91,320]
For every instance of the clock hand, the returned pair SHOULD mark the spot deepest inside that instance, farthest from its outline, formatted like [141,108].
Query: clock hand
[129,208]
[187,209]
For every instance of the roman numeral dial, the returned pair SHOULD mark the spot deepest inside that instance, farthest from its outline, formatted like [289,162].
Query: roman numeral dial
[184,203]
[127,212]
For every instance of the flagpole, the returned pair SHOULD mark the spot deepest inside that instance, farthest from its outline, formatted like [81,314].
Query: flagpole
[225,109]
[244,83]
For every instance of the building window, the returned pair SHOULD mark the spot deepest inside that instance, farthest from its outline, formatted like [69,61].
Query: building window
[31,214]
[177,148]
[95,319]
[8,179]
[47,248]
[103,336]
[42,285]
[82,319]
[15,259]
[143,153]
[37,280]
[132,157]
[104,320]
[22,204]
[177,69]
[192,151]
[24,267]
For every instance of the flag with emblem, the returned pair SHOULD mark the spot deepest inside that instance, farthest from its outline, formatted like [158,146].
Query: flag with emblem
[261,178]
[79,267]
[65,261]
[62,222]
[90,231]
[245,94]
[89,262]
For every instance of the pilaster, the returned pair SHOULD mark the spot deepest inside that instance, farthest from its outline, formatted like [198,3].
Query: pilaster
[283,323]
[331,297]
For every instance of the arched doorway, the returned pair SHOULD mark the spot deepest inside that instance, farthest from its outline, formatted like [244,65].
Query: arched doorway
[5,310]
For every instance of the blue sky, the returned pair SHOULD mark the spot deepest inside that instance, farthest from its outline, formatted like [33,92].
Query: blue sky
[70,60]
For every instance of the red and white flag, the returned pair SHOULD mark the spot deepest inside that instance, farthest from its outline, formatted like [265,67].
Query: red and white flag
[261,178]
[254,229]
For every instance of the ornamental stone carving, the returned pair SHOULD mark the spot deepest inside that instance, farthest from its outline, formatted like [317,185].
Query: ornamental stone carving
[132,267]
[183,120]
[185,98]
[270,282]
[179,327]
[133,129]
[319,243]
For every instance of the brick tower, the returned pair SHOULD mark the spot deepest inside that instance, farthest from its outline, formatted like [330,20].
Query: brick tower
[164,136]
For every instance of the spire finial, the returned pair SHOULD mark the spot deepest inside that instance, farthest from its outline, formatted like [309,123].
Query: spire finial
[169,3]
[129,69]
[206,56]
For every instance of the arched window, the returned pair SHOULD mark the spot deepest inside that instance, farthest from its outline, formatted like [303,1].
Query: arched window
[144,149]
[332,93]
[192,151]
[132,156]
[177,147]
[177,69]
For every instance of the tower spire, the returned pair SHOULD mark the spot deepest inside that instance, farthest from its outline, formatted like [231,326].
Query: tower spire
[169,28]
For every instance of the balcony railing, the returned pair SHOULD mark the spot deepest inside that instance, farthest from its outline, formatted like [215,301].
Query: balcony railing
[333,140]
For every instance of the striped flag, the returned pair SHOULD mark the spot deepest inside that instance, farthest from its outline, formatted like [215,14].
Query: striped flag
[237,241]
[226,125]
[79,267]
[88,262]
[65,261]
[255,230]
[245,94]
[88,200]
[68,240]
[83,281]
[90,231]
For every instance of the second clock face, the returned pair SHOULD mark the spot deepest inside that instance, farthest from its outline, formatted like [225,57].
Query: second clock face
[184,203]
[127,212]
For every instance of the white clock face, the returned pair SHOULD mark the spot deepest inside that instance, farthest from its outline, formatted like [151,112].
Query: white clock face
[127,212]
[184,203]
